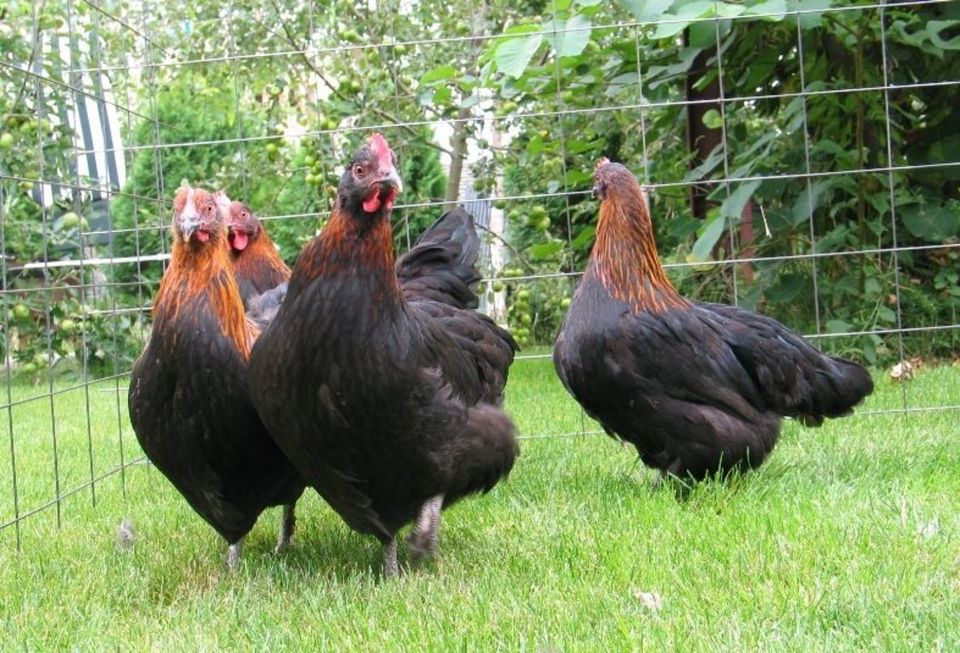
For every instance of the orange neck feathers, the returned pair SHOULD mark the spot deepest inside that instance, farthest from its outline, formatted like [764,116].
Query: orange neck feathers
[625,258]
[349,243]
[198,270]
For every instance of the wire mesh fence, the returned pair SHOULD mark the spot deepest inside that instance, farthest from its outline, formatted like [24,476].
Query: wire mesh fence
[801,158]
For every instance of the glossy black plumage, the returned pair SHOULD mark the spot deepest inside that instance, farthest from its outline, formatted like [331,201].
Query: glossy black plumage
[382,396]
[189,401]
[441,266]
[697,388]
[439,274]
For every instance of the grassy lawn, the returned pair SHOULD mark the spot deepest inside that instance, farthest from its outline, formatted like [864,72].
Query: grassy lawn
[848,539]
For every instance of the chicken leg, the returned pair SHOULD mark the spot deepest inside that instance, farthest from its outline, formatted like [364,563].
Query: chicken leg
[390,567]
[288,523]
[423,538]
[233,554]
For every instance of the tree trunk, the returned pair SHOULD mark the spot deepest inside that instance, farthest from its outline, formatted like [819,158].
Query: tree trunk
[458,145]
[701,140]
[746,239]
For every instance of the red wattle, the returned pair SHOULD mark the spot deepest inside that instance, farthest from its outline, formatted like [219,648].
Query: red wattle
[239,240]
[372,203]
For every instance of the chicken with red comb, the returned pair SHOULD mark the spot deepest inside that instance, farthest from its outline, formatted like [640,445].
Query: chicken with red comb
[256,261]
[189,403]
[377,378]
[698,388]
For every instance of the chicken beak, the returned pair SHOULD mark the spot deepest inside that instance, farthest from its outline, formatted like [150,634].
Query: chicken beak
[392,180]
[188,225]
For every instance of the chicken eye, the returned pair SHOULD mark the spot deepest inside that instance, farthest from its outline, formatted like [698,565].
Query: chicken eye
[359,171]
[209,209]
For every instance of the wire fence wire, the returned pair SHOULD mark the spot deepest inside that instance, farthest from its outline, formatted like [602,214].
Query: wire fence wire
[73,308]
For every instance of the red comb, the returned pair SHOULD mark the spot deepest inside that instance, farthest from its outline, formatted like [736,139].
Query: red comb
[384,155]
[180,199]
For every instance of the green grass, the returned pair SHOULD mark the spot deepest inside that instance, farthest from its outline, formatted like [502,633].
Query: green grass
[847,539]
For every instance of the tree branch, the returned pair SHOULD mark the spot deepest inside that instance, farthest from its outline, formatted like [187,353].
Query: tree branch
[512,249]
[291,39]
[33,56]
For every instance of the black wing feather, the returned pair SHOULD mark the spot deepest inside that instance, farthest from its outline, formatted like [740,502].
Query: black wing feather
[441,266]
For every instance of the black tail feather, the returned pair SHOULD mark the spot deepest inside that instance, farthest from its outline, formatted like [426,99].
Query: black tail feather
[442,264]
[482,455]
[838,386]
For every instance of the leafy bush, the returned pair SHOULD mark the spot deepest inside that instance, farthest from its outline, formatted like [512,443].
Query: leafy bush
[766,141]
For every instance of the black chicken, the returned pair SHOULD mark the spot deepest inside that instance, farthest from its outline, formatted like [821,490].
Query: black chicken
[382,395]
[188,398]
[697,388]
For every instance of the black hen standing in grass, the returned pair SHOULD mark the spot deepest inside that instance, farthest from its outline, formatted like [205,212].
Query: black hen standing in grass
[383,394]
[188,398]
[697,388]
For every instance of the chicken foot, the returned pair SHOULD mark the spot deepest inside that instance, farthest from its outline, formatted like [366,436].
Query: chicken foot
[423,538]
[288,523]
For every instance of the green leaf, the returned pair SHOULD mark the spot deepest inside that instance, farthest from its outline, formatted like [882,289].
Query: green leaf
[577,177]
[787,288]
[658,74]
[885,314]
[589,3]
[545,250]
[774,9]
[733,205]
[425,96]
[442,96]
[585,238]
[837,326]
[811,20]
[535,146]
[568,37]
[696,9]
[935,27]
[710,234]
[576,146]
[712,119]
[704,34]
[930,221]
[647,10]
[702,171]
[807,203]
[440,72]
[513,55]
[727,10]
